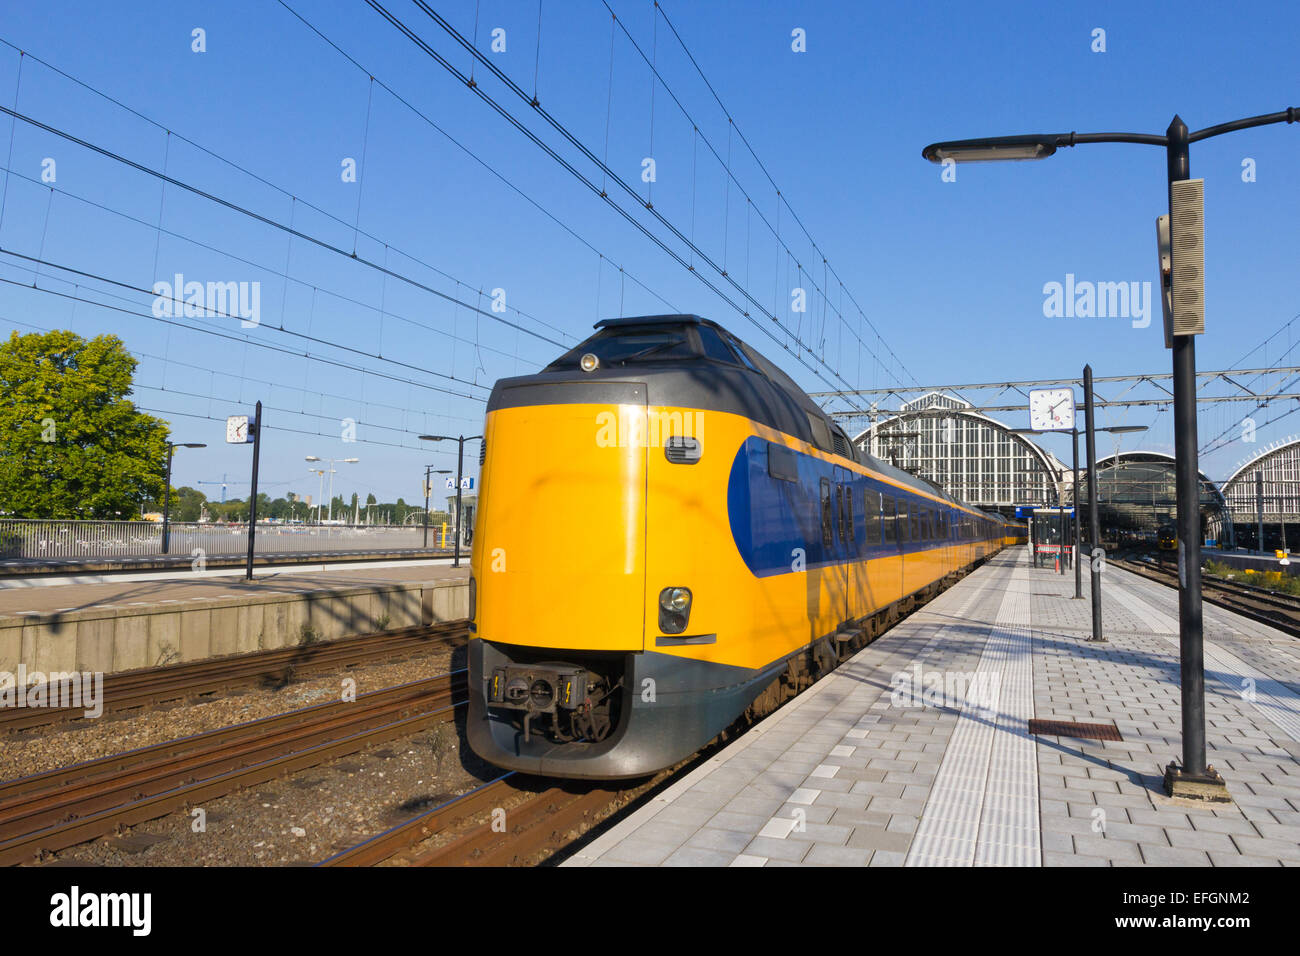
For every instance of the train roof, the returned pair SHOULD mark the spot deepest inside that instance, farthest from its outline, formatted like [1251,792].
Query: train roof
[770,396]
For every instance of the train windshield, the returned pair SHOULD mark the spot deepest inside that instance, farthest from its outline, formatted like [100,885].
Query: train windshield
[630,345]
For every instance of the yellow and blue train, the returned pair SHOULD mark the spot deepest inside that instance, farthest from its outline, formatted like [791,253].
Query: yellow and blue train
[671,534]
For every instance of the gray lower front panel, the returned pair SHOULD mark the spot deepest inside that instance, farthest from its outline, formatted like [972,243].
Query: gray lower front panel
[671,708]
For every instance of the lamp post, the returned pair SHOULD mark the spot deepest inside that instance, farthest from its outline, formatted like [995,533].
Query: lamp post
[460,470]
[167,490]
[428,471]
[333,462]
[1195,778]
[320,490]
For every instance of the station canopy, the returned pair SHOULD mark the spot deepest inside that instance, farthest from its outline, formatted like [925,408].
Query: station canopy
[1137,492]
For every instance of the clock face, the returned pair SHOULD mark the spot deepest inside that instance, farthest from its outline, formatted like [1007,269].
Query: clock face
[1051,409]
[237,429]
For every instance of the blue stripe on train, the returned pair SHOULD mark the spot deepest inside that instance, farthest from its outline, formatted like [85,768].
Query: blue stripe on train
[770,518]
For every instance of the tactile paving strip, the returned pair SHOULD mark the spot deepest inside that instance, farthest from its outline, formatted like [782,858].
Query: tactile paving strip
[983,806]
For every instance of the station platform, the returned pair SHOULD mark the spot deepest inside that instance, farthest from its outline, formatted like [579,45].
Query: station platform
[918,752]
[124,622]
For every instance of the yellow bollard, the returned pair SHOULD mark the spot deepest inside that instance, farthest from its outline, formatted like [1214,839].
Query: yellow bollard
[444,534]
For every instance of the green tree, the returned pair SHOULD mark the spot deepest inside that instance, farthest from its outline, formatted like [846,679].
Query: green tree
[72,445]
[187,503]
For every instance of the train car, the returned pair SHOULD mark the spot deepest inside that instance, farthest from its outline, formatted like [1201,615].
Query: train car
[670,534]
[1167,537]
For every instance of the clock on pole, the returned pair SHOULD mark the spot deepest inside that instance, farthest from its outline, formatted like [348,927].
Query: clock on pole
[1051,409]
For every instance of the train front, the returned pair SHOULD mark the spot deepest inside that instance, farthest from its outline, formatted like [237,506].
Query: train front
[577,583]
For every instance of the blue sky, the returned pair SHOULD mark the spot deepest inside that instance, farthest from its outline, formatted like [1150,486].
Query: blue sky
[951,274]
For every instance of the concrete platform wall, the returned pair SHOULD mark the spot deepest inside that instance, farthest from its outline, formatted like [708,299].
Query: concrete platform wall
[115,639]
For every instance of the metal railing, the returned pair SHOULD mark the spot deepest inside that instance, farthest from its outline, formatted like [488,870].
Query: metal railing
[27,539]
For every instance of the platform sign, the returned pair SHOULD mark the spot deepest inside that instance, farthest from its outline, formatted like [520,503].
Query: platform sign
[467,484]
[450,483]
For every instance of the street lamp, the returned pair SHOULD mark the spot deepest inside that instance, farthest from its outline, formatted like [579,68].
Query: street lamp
[460,469]
[1194,779]
[333,462]
[430,470]
[167,490]
[320,490]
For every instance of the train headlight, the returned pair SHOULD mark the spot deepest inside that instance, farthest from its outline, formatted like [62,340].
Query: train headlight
[674,609]
[589,362]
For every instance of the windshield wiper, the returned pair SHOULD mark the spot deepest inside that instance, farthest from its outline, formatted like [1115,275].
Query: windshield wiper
[648,351]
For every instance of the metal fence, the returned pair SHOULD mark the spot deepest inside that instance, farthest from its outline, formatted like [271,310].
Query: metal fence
[83,540]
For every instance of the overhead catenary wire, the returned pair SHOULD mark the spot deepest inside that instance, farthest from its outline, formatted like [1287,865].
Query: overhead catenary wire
[269,407]
[612,176]
[236,338]
[476,158]
[298,200]
[784,200]
[249,262]
[227,315]
[266,220]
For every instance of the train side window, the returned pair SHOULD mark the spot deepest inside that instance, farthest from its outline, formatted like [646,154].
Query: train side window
[782,463]
[827,533]
[871,517]
[839,511]
[914,513]
[904,524]
[890,520]
[846,515]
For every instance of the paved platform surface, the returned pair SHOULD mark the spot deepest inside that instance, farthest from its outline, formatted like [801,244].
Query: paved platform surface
[861,771]
[135,591]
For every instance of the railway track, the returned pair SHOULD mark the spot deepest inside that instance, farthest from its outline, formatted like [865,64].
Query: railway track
[514,820]
[150,687]
[61,808]
[521,820]
[1257,604]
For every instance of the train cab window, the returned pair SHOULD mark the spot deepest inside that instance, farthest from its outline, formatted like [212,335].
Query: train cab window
[714,347]
[782,463]
[889,520]
[821,433]
[828,532]
[741,354]
[631,344]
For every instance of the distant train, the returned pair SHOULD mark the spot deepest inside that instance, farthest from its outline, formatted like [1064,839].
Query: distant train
[671,534]
[1167,537]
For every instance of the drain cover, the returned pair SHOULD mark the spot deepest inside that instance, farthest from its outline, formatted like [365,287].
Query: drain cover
[1070,728]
